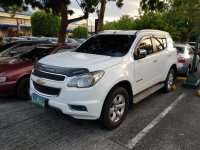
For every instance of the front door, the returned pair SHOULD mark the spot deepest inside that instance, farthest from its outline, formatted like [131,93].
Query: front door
[145,68]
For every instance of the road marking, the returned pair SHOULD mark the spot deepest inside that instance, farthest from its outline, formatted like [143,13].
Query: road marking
[154,122]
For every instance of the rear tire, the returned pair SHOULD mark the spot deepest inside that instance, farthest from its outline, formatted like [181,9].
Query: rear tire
[169,82]
[23,89]
[115,108]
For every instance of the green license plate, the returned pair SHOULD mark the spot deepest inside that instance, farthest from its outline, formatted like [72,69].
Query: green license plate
[35,99]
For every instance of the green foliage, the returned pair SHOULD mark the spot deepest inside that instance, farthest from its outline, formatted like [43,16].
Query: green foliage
[154,5]
[124,23]
[184,16]
[111,25]
[181,15]
[180,19]
[45,24]
[147,21]
[80,32]
[154,21]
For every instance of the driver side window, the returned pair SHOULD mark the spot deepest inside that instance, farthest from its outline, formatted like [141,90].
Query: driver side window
[145,44]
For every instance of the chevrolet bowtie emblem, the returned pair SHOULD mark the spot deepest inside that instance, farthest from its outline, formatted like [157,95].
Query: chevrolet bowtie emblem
[40,81]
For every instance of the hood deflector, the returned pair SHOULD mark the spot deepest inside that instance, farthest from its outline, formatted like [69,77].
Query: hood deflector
[69,72]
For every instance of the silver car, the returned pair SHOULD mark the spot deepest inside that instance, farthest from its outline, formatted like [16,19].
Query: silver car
[185,58]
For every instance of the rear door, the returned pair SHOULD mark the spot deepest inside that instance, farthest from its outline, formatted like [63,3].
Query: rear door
[161,55]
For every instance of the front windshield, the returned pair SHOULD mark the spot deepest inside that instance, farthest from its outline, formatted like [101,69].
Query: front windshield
[6,46]
[109,45]
[19,49]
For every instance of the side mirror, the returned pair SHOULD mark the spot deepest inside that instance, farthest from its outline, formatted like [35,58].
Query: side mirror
[142,53]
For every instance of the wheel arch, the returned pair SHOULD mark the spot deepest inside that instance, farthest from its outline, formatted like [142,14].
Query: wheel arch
[175,68]
[126,85]
[20,79]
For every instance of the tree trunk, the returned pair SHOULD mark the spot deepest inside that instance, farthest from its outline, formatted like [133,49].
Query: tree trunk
[64,23]
[101,15]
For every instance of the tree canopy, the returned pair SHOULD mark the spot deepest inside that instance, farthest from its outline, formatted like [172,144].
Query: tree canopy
[178,17]
[45,24]
[80,32]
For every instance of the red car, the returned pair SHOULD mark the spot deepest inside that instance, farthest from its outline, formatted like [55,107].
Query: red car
[16,67]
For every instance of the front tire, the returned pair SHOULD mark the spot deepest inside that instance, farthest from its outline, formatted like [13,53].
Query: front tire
[23,89]
[170,80]
[115,108]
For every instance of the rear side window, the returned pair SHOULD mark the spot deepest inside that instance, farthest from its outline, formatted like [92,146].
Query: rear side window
[160,43]
[180,49]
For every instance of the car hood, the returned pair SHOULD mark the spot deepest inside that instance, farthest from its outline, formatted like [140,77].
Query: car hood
[81,60]
[10,63]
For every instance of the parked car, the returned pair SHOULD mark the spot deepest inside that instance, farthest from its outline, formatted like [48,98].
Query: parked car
[15,70]
[80,41]
[15,46]
[13,39]
[185,58]
[103,76]
[193,44]
[72,41]
[53,40]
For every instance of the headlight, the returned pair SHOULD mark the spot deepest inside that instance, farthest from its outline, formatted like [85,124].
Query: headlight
[86,80]
[2,79]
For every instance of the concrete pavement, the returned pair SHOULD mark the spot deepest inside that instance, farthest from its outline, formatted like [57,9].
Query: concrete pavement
[25,126]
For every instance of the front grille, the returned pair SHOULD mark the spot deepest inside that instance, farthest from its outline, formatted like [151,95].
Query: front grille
[48,75]
[46,90]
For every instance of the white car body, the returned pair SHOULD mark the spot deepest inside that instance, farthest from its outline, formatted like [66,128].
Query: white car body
[141,74]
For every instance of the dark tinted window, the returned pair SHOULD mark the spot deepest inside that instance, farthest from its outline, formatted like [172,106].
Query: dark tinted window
[109,45]
[6,46]
[19,49]
[37,53]
[180,49]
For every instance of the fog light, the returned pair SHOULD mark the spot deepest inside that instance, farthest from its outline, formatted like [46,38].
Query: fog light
[78,107]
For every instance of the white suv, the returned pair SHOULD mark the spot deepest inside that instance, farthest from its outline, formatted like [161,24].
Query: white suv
[103,76]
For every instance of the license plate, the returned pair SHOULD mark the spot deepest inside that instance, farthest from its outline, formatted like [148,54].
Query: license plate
[35,99]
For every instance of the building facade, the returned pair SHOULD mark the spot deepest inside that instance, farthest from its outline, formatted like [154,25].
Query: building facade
[20,24]
[10,24]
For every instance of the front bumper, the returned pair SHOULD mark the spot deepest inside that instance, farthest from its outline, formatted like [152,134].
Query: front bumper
[71,96]
[7,88]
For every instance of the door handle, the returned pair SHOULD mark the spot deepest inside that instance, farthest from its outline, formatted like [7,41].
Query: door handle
[155,60]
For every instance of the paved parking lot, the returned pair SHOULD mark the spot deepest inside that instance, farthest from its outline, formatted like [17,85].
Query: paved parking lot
[25,126]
